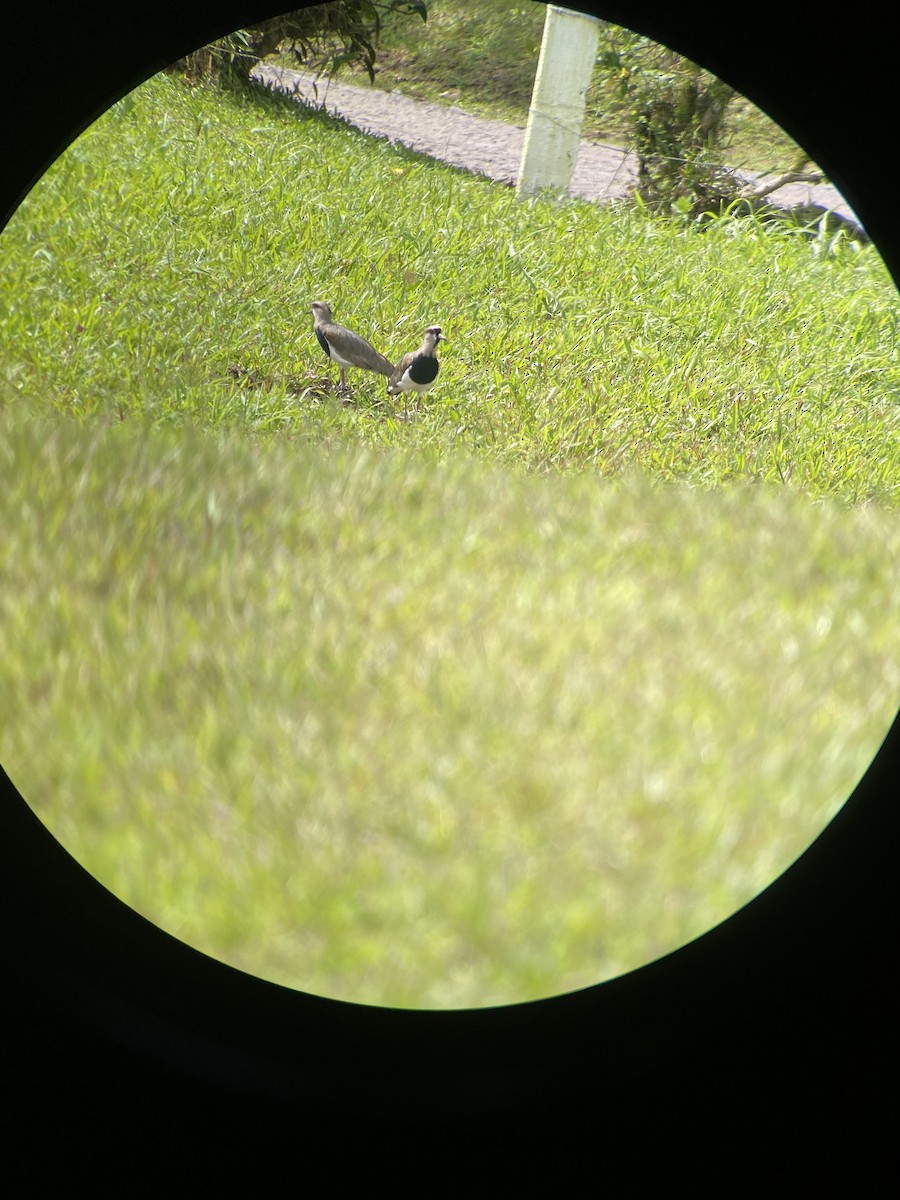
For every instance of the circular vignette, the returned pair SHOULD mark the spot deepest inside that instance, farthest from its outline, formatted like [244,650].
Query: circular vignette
[790,989]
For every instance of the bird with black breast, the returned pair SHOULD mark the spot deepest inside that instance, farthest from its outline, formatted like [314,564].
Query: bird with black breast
[417,371]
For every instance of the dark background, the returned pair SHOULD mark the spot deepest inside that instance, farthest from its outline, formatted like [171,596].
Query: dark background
[769,1041]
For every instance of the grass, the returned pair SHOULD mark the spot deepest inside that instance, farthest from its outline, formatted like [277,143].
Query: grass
[428,735]
[166,265]
[464,710]
[483,55]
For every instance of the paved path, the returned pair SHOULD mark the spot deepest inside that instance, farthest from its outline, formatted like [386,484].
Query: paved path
[489,147]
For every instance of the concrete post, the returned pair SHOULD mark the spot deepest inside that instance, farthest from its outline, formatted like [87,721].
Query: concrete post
[568,54]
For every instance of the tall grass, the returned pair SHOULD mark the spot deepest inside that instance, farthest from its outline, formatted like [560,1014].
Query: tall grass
[463,710]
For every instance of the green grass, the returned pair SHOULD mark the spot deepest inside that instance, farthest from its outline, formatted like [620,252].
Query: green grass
[483,55]
[166,266]
[418,734]
[464,710]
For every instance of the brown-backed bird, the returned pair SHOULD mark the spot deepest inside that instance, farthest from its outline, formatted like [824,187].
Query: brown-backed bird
[417,371]
[346,348]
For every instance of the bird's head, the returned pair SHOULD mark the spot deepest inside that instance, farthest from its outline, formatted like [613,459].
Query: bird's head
[320,310]
[434,335]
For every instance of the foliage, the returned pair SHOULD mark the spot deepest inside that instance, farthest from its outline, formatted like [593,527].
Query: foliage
[323,37]
[678,115]
[481,54]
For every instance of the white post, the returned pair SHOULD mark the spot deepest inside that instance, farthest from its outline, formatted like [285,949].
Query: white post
[568,54]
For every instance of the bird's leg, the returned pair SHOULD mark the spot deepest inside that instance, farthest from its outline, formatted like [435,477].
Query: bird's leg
[342,386]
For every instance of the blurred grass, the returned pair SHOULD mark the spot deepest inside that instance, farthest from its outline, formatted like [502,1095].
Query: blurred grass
[421,733]
[466,710]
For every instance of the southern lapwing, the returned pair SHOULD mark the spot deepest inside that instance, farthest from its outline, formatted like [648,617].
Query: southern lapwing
[417,371]
[346,348]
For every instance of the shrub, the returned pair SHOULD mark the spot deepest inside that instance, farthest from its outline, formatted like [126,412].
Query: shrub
[324,37]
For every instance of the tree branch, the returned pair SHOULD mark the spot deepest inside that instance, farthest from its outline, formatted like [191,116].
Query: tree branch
[757,191]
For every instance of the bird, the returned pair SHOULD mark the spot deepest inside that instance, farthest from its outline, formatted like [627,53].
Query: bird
[346,348]
[417,371]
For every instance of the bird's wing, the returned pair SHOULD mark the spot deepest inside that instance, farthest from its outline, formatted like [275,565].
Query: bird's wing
[402,366]
[355,351]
